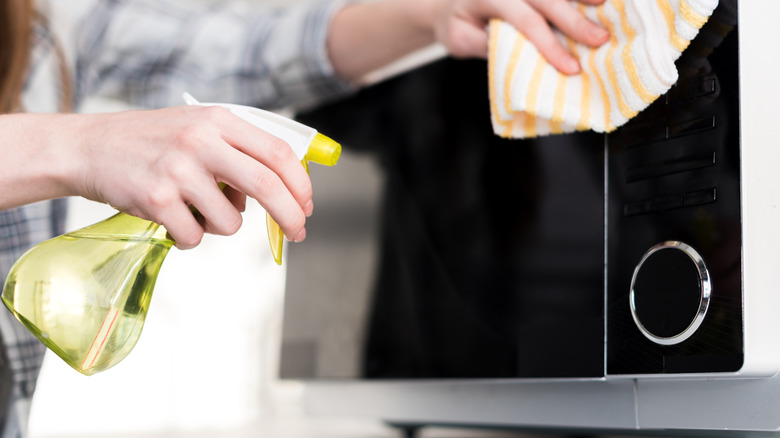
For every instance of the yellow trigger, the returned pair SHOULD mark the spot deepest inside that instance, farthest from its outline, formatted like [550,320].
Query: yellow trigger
[322,150]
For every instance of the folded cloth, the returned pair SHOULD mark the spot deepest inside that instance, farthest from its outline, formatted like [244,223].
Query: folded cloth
[530,98]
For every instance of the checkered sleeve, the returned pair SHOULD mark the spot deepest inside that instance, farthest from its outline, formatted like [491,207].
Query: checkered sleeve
[148,52]
[22,354]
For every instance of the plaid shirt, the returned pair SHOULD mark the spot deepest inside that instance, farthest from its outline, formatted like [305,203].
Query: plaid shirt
[147,53]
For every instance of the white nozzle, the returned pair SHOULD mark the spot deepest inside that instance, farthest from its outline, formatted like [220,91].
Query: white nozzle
[297,135]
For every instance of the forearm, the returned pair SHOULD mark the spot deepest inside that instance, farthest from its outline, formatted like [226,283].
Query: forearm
[35,158]
[367,36]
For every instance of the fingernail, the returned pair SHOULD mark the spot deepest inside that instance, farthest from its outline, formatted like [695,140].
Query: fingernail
[572,66]
[309,208]
[599,34]
[300,236]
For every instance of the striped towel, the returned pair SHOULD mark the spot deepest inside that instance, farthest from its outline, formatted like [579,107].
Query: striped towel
[530,98]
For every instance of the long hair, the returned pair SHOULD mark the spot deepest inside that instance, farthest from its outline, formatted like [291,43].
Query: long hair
[17,18]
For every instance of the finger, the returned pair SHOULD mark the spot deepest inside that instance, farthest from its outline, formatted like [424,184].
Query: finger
[534,26]
[181,225]
[572,22]
[237,198]
[261,183]
[219,214]
[276,155]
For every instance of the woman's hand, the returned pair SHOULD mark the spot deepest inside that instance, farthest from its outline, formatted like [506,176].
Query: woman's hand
[155,165]
[461,26]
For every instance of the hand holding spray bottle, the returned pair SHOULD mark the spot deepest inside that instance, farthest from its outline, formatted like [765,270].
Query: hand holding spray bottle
[86,294]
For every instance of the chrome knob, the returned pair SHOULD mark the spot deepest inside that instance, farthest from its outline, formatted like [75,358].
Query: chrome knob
[670,292]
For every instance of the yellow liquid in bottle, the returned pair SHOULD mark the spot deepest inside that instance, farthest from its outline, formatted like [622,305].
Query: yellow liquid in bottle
[85,295]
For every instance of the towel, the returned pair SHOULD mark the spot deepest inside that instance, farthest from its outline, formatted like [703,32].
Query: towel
[530,98]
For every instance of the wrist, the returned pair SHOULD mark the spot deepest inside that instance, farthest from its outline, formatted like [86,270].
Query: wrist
[62,153]
[38,162]
[82,142]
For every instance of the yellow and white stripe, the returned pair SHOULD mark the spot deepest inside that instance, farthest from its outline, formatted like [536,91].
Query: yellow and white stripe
[530,98]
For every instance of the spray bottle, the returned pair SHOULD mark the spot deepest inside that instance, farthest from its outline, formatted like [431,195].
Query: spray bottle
[86,294]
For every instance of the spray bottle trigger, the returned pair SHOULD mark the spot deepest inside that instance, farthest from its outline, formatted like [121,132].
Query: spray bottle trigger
[322,150]
[275,238]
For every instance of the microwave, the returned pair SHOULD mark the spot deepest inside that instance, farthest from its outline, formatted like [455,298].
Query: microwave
[592,282]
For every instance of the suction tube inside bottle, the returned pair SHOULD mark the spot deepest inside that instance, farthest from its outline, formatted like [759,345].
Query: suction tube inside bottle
[85,294]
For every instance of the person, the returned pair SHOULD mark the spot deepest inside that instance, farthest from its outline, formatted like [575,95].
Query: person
[156,163]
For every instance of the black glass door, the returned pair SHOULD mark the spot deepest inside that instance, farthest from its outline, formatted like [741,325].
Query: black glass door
[490,253]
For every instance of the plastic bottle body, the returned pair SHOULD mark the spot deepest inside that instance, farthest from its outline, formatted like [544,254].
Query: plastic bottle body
[85,294]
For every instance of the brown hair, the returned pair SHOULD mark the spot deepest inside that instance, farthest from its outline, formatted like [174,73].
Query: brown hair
[16,32]
[17,22]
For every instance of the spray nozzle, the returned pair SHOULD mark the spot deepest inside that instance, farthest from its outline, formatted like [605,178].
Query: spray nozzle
[308,145]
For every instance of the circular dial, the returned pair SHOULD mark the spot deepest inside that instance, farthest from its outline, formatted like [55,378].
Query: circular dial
[670,292]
